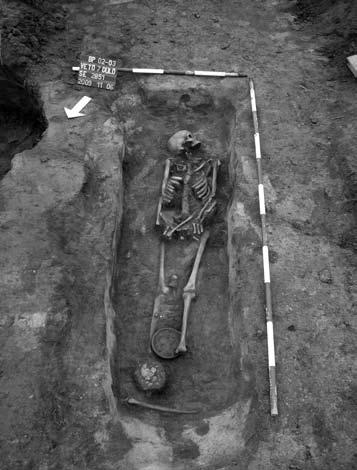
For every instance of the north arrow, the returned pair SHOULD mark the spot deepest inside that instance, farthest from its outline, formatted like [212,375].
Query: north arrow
[76,110]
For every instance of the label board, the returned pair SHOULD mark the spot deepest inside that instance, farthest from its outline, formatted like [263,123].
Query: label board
[98,72]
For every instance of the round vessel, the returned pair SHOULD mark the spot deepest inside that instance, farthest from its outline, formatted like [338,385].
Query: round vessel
[165,341]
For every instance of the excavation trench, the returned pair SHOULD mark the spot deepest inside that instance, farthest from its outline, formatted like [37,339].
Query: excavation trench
[22,121]
[211,375]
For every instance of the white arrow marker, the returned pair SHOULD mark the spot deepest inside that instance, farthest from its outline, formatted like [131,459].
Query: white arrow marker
[76,110]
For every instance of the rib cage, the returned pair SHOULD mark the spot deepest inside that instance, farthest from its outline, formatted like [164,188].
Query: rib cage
[173,184]
[201,188]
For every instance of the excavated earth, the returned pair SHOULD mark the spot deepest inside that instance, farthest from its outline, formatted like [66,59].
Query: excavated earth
[80,254]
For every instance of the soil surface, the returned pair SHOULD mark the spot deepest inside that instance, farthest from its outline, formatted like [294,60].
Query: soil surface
[80,254]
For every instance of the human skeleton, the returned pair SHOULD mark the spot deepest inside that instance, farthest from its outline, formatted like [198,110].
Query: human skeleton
[186,206]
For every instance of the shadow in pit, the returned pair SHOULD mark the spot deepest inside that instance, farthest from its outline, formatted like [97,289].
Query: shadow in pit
[209,376]
[22,121]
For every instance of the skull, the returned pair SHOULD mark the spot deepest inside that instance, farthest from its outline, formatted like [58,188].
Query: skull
[182,141]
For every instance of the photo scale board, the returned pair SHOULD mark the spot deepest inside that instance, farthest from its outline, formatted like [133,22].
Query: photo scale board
[98,72]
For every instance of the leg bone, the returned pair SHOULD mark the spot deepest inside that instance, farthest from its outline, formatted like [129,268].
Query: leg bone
[162,289]
[189,292]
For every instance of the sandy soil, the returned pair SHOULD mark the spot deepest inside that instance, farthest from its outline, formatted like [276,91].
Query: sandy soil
[80,258]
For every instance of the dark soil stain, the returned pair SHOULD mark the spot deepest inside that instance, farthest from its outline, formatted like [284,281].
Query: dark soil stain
[202,429]
[186,450]
[22,121]
[323,434]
